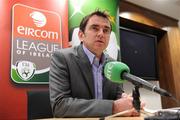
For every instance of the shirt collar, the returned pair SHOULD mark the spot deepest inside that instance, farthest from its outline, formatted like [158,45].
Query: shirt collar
[92,57]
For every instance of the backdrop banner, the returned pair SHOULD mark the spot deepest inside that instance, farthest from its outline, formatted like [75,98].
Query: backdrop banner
[35,36]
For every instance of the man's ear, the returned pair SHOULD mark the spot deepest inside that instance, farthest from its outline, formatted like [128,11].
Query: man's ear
[81,35]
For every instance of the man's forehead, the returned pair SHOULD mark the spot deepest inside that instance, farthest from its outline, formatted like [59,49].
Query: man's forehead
[98,25]
[98,21]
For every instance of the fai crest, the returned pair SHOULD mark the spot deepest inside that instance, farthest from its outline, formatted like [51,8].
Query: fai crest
[25,69]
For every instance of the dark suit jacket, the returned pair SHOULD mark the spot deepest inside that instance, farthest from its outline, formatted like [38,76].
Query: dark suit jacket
[72,88]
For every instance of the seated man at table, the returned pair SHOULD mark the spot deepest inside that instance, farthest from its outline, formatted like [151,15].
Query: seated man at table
[77,85]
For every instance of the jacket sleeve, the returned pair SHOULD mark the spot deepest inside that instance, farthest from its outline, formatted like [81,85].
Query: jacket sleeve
[63,104]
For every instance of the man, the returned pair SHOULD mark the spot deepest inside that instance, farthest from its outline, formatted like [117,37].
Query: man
[77,85]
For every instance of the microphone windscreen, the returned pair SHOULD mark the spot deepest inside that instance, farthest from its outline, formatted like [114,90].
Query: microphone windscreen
[114,70]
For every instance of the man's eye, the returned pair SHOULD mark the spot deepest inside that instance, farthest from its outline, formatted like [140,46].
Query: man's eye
[107,31]
[95,28]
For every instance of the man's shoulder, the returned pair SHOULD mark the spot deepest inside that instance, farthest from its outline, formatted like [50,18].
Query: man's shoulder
[67,51]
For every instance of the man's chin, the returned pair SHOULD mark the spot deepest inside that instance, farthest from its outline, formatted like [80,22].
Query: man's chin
[99,49]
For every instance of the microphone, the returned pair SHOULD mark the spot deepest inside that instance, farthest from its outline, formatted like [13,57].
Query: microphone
[119,72]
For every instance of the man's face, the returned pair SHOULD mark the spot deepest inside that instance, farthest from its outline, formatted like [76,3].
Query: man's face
[96,34]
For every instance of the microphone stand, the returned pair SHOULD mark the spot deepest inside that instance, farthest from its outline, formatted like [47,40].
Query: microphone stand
[136,98]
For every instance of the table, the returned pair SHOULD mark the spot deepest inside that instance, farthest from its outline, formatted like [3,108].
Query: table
[115,118]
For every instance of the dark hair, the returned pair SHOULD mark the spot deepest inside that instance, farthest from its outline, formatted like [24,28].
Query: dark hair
[86,18]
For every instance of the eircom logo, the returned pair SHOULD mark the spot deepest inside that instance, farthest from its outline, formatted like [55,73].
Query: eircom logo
[36,34]
[39,18]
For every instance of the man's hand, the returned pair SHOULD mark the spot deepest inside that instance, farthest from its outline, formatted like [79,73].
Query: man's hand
[125,103]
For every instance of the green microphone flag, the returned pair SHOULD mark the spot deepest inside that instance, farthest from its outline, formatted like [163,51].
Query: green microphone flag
[114,70]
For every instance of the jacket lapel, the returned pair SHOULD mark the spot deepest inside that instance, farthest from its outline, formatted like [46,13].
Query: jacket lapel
[86,69]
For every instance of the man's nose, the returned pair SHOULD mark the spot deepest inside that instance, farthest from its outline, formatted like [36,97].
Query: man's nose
[101,31]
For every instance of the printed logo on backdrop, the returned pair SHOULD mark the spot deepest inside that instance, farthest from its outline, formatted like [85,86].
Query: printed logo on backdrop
[36,34]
